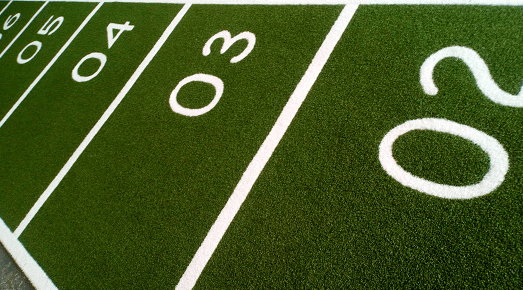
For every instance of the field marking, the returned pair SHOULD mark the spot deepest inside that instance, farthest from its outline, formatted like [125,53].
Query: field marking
[479,70]
[322,2]
[23,29]
[9,3]
[23,259]
[249,177]
[56,181]
[216,82]
[50,64]
[498,157]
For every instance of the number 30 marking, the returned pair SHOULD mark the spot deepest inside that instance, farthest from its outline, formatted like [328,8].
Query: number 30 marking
[228,42]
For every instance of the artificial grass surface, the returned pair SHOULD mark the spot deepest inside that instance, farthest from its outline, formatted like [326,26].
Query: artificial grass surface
[139,201]
[324,214]
[52,121]
[33,149]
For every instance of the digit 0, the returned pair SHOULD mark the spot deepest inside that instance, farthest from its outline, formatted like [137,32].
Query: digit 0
[96,55]
[217,84]
[499,162]
[22,60]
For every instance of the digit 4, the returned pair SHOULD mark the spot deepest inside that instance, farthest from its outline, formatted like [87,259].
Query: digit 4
[111,39]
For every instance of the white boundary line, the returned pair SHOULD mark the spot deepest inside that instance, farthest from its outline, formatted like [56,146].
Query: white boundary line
[23,29]
[319,2]
[23,259]
[218,229]
[5,7]
[58,54]
[56,181]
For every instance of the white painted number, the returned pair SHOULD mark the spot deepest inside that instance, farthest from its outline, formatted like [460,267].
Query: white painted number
[97,55]
[111,39]
[499,162]
[56,23]
[215,81]
[218,86]
[479,69]
[11,20]
[228,42]
[22,60]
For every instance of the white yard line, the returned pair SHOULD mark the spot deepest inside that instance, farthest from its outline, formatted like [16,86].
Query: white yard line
[23,29]
[320,2]
[9,3]
[49,65]
[56,181]
[23,259]
[218,229]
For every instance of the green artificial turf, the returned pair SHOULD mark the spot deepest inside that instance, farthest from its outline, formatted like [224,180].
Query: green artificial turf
[15,78]
[30,155]
[325,215]
[52,121]
[139,201]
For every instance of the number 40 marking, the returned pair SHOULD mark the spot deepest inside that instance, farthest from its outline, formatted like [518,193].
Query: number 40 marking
[111,39]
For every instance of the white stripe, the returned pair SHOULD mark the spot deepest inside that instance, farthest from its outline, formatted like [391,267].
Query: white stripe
[27,264]
[23,29]
[218,229]
[56,181]
[64,47]
[324,2]
[9,3]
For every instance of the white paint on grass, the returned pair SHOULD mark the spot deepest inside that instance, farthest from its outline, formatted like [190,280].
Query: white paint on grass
[27,264]
[479,69]
[499,162]
[56,181]
[49,65]
[218,229]
[218,87]
[228,42]
[111,39]
[11,20]
[23,29]
[321,2]
[22,60]
[5,7]
[46,29]
[96,55]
